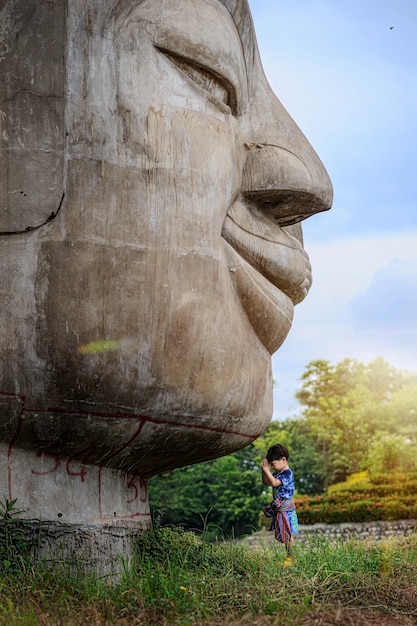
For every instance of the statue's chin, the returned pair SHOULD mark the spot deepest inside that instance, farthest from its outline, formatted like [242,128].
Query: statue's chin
[145,430]
[138,383]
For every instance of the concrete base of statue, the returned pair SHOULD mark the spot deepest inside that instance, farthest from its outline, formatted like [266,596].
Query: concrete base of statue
[84,516]
[105,551]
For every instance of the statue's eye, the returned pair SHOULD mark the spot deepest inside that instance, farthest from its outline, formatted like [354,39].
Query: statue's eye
[220,91]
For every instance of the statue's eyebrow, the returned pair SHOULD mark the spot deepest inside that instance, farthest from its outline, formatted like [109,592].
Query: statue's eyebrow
[192,69]
[211,45]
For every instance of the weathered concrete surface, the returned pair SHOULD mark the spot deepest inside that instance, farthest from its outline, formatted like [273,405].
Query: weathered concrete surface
[151,252]
[72,491]
[105,550]
[88,516]
[32,88]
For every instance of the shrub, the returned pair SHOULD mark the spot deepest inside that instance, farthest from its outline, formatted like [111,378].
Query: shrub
[15,550]
[362,498]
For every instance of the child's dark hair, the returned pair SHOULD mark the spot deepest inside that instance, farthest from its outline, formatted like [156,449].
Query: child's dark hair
[276,452]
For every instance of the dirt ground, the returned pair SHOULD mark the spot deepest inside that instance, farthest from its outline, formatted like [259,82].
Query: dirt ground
[356,617]
[340,616]
[336,616]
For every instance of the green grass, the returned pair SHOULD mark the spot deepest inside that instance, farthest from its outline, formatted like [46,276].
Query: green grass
[177,578]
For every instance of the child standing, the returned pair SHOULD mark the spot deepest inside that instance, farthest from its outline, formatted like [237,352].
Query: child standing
[282,508]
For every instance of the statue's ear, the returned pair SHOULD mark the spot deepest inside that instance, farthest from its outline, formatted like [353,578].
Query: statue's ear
[32,135]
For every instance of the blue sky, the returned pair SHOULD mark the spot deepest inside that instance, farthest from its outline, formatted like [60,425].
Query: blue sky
[350,82]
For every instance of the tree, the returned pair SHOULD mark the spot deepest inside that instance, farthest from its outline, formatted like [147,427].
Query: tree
[391,453]
[399,415]
[346,405]
[223,496]
[336,400]
[305,457]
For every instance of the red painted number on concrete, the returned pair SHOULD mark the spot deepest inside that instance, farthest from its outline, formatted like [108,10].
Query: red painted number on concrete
[131,485]
[143,490]
[81,457]
[56,461]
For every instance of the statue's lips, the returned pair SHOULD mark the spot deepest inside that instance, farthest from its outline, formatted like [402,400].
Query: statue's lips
[270,269]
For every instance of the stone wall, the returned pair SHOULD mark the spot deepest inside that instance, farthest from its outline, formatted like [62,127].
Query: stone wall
[364,530]
[348,530]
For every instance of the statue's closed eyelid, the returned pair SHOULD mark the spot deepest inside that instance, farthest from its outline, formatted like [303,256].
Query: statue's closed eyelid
[218,87]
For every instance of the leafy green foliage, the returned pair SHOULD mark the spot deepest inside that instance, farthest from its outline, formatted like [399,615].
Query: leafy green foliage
[306,459]
[353,411]
[221,497]
[169,545]
[363,498]
[390,453]
[15,549]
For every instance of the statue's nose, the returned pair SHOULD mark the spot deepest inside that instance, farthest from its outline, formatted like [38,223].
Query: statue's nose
[283,174]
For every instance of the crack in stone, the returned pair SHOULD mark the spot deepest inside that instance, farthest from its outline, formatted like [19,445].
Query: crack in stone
[29,229]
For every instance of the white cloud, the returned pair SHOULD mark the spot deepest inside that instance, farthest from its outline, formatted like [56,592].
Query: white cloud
[391,300]
[385,315]
[348,266]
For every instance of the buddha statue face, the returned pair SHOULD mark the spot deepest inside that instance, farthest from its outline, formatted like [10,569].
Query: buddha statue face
[154,254]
